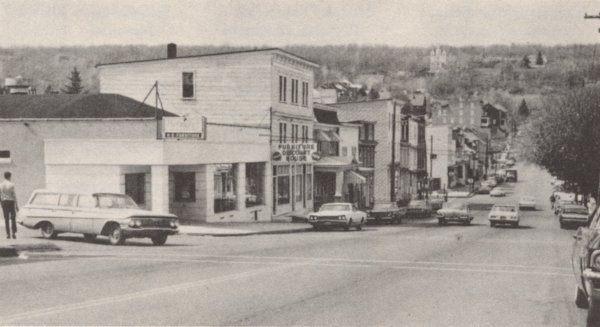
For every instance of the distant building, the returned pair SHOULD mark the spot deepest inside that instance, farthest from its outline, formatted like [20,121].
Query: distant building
[18,85]
[438,59]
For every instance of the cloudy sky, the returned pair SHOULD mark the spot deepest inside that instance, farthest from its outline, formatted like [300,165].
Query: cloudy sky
[288,22]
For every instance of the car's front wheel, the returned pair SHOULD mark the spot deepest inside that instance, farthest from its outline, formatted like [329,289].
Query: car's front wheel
[115,236]
[48,231]
[160,239]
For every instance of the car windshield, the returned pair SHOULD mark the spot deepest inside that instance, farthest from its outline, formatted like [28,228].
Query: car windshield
[383,206]
[454,205]
[504,208]
[335,207]
[417,203]
[118,201]
[577,210]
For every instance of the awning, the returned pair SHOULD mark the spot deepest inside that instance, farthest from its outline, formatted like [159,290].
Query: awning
[321,136]
[334,136]
[352,177]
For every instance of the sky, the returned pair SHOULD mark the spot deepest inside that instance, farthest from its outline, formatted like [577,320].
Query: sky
[297,22]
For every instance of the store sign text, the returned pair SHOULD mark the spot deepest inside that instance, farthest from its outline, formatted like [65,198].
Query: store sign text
[290,152]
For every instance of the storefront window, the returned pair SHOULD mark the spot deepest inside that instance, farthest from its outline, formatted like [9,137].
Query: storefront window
[254,184]
[185,187]
[298,191]
[309,182]
[135,187]
[283,184]
[225,187]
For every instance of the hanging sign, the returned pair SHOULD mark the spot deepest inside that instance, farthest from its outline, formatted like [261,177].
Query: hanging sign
[189,128]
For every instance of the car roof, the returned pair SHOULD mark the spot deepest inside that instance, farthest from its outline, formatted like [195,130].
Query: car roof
[574,206]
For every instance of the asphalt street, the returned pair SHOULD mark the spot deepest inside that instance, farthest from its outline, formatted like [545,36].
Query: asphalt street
[413,274]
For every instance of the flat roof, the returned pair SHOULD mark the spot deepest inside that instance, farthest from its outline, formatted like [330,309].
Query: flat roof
[307,61]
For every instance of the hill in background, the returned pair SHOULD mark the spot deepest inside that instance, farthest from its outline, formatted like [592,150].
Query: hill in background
[469,69]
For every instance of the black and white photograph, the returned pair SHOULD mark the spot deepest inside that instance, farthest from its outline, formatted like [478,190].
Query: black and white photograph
[300,163]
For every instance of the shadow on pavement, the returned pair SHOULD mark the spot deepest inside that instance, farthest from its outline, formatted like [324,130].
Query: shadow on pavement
[104,241]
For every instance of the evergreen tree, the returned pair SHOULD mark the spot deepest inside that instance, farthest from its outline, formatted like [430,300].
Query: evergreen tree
[526,63]
[539,60]
[75,86]
[523,109]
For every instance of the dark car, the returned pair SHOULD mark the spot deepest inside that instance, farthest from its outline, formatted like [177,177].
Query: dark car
[573,214]
[586,267]
[386,212]
[419,208]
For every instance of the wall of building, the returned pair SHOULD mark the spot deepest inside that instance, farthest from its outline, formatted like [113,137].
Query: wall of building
[233,89]
[349,136]
[25,141]
[443,148]
[379,111]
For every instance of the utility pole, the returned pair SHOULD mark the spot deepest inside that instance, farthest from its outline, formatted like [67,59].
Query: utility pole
[393,163]
[487,149]
[586,16]
[430,167]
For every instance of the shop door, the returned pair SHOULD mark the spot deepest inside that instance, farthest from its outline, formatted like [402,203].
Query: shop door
[274,195]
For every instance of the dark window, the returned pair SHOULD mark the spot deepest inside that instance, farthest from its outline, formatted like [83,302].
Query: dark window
[283,184]
[185,187]
[188,85]
[5,154]
[305,94]
[282,89]
[135,187]
[294,91]
[225,187]
[255,184]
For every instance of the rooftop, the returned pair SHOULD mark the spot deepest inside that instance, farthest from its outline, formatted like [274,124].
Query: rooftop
[306,61]
[74,106]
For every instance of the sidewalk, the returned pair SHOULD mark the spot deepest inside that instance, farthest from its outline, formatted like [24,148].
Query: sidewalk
[242,229]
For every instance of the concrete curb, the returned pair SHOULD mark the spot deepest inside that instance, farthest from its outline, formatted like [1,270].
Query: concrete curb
[250,233]
[13,250]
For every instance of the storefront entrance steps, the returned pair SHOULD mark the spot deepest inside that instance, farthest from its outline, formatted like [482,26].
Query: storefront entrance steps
[242,229]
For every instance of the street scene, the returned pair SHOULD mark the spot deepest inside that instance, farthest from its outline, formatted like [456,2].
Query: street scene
[239,163]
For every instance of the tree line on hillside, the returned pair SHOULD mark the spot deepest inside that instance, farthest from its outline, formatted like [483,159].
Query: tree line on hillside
[470,67]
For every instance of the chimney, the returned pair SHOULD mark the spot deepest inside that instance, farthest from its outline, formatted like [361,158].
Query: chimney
[171,50]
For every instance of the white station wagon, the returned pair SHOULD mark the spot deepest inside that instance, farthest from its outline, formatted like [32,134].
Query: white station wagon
[109,214]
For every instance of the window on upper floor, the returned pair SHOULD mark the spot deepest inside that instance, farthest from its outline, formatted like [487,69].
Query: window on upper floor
[304,94]
[404,130]
[294,91]
[344,151]
[282,132]
[282,89]
[187,79]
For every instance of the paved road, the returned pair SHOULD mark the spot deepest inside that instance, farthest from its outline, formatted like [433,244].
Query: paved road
[415,274]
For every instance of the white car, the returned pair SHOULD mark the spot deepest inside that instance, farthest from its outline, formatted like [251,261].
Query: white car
[497,192]
[527,202]
[339,214]
[504,214]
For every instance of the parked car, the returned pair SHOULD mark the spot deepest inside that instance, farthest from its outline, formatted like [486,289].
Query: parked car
[109,214]
[527,202]
[419,208]
[512,175]
[497,192]
[561,203]
[386,212]
[338,214]
[504,214]
[491,182]
[455,212]
[484,188]
[436,202]
[586,268]
[573,214]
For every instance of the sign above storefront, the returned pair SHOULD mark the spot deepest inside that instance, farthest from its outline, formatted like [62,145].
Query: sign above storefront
[189,128]
[294,152]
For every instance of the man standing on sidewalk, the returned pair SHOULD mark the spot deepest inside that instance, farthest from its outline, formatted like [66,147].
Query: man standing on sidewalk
[9,204]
